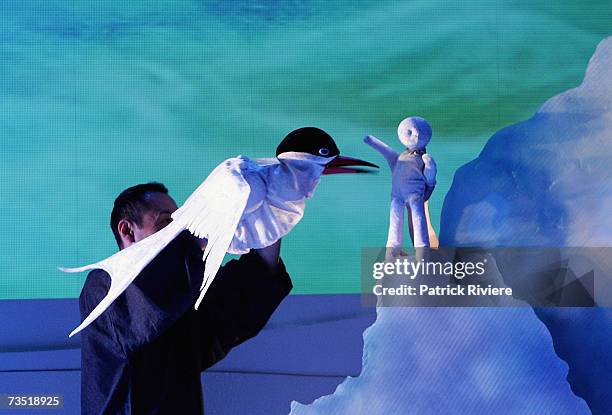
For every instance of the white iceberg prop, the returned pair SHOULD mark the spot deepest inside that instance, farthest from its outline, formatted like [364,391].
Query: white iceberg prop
[544,182]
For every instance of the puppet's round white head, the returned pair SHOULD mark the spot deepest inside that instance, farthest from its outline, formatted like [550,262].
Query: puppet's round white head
[414,133]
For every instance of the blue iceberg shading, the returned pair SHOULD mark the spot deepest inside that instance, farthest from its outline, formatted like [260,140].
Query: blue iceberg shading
[542,182]
[547,182]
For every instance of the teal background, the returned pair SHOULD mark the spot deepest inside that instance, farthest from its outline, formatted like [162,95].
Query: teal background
[98,96]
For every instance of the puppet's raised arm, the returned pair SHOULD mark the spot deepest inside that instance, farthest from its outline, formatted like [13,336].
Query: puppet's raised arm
[389,154]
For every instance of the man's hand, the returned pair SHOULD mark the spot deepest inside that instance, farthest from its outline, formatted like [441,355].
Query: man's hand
[202,242]
[270,254]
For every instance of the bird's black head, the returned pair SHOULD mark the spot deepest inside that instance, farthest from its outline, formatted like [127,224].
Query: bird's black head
[309,140]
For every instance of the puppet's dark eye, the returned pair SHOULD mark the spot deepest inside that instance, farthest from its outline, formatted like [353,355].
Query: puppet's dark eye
[324,151]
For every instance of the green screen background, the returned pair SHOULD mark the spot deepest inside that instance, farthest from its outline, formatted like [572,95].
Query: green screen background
[98,96]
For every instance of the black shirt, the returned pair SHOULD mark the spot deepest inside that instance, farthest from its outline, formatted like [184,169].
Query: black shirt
[144,354]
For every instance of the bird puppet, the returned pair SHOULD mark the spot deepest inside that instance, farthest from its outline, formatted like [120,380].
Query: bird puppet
[243,204]
[413,180]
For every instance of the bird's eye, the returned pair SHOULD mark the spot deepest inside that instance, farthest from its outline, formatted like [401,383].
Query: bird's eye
[324,151]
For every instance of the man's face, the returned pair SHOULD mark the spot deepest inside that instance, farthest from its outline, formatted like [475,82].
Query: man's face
[158,217]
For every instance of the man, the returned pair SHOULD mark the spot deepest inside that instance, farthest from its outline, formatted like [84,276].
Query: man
[145,353]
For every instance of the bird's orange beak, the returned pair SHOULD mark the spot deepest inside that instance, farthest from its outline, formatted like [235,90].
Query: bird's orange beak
[341,165]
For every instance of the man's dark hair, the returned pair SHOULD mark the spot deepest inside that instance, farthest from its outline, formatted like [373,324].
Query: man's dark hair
[132,204]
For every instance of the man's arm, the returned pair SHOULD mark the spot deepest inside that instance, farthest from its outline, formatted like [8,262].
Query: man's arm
[156,299]
[270,254]
[240,301]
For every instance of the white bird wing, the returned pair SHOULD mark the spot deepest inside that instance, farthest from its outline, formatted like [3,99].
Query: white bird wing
[213,211]
[124,266]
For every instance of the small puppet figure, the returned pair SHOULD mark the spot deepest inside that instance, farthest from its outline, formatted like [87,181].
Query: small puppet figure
[413,180]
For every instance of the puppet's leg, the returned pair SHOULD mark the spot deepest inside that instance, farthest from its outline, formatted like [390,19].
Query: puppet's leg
[416,210]
[396,228]
[433,238]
